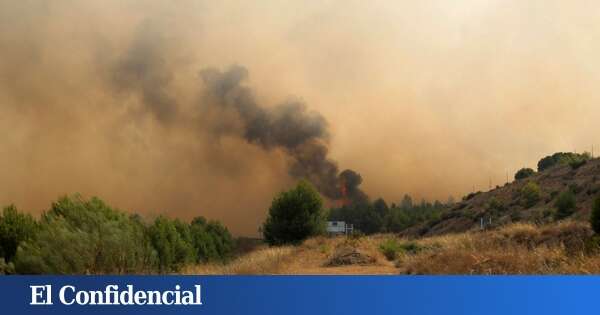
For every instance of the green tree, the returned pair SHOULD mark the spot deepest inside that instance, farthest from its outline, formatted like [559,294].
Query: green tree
[565,205]
[531,194]
[222,239]
[381,207]
[524,173]
[294,215]
[397,220]
[407,202]
[595,217]
[15,228]
[369,221]
[78,236]
[212,241]
[173,242]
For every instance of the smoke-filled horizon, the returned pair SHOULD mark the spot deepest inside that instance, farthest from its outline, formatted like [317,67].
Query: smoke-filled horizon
[202,108]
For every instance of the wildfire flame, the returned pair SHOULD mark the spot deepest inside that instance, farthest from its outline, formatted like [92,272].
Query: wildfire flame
[344,194]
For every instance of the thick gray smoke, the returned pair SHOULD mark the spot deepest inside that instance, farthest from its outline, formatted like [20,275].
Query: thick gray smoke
[351,192]
[144,72]
[289,126]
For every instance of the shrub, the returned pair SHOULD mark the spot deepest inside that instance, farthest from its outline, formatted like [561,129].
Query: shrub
[565,205]
[294,216]
[531,194]
[411,248]
[595,217]
[524,173]
[495,204]
[561,158]
[575,164]
[390,249]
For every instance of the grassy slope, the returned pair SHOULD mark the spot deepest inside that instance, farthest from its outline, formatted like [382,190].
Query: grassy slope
[560,248]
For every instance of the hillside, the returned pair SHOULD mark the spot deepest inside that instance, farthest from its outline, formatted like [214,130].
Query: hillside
[567,247]
[504,205]
[521,235]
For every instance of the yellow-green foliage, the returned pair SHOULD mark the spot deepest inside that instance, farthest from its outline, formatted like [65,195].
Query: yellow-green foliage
[531,194]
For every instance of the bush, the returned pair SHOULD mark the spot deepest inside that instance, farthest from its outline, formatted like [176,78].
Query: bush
[531,194]
[565,205]
[595,217]
[561,158]
[294,216]
[524,173]
[495,204]
[575,164]
[411,248]
[390,249]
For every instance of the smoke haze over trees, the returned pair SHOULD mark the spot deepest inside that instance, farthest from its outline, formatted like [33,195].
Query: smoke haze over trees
[173,108]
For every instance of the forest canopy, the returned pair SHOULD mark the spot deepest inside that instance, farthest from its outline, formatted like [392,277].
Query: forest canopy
[87,236]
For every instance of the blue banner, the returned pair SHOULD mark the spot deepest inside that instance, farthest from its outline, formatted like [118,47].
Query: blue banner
[299,295]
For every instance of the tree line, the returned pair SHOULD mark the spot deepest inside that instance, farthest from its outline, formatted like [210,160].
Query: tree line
[87,236]
[378,217]
[299,213]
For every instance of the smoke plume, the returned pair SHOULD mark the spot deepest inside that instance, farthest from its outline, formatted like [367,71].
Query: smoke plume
[137,102]
[289,126]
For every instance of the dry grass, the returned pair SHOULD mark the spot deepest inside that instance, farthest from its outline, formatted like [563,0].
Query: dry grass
[263,261]
[516,249]
[307,258]
[562,248]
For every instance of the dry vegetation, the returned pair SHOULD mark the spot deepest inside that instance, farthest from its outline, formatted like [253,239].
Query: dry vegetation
[508,204]
[311,257]
[563,248]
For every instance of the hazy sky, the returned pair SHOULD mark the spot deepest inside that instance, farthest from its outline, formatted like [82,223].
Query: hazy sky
[430,98]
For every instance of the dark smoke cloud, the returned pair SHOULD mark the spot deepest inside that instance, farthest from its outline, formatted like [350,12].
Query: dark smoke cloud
[351,192]
[144,72]
[289,126]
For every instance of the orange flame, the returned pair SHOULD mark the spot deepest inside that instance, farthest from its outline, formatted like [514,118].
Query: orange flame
[344,200]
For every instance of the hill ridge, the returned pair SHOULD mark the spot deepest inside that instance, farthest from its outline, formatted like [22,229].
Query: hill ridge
[504,204]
